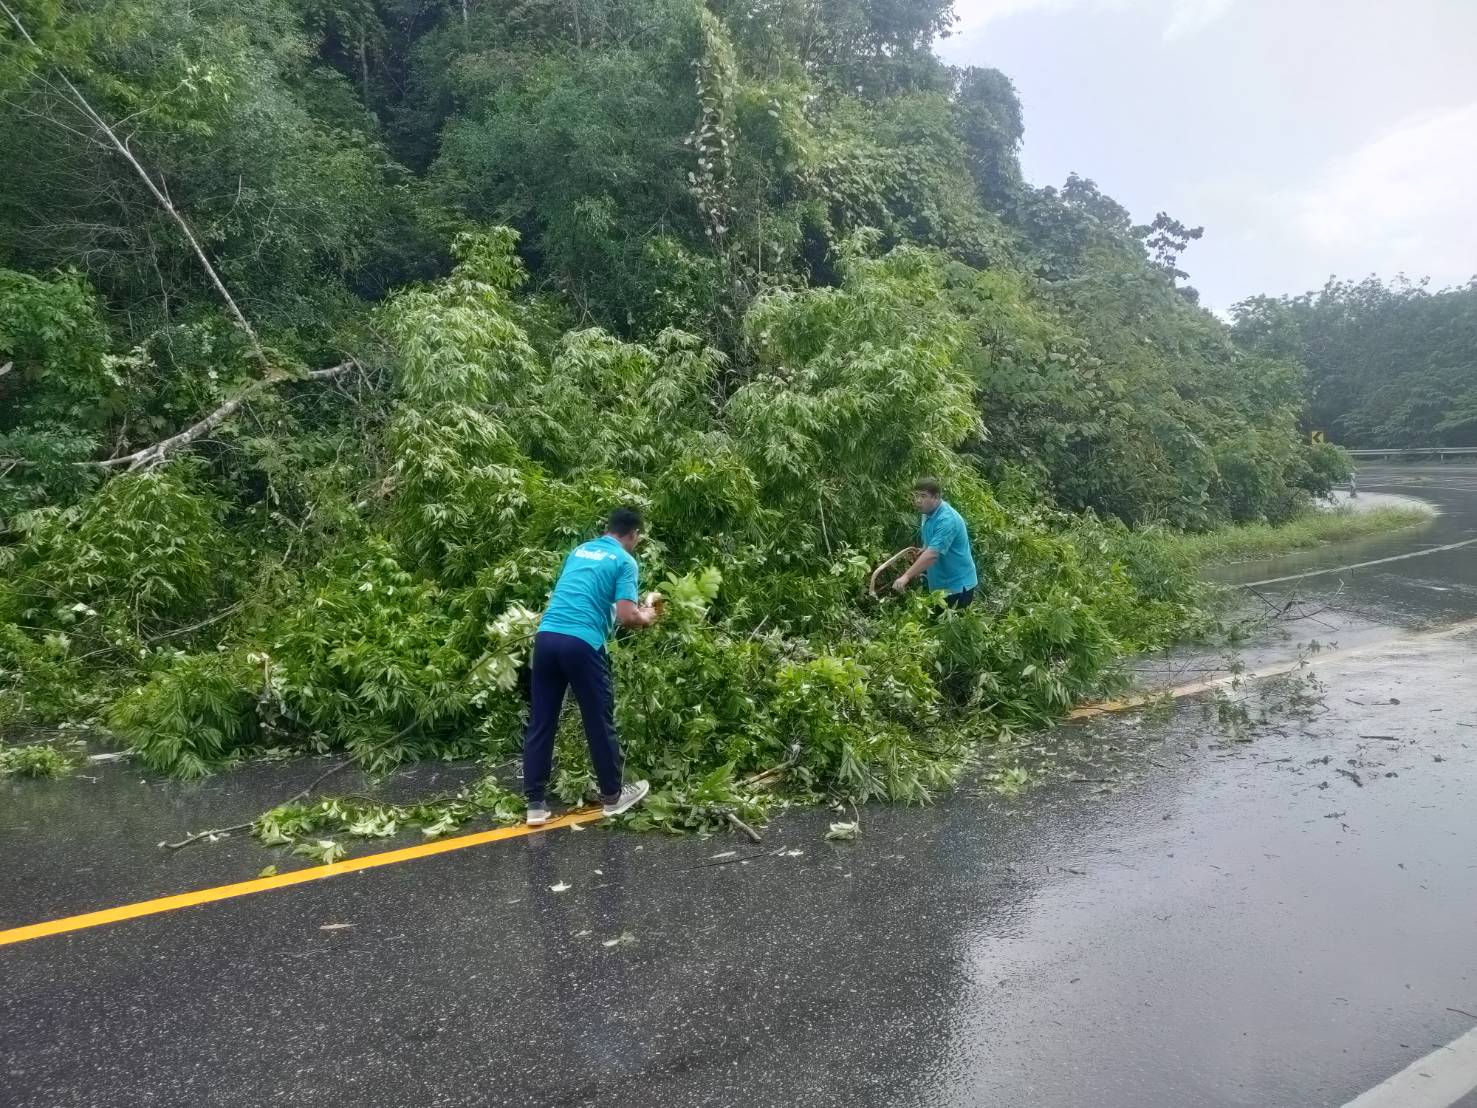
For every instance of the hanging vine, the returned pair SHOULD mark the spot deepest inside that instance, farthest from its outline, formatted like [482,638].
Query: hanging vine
[711,184]
[713,139]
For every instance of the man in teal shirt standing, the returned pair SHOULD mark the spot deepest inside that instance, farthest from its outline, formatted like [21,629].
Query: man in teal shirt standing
[595,591]
[947,560]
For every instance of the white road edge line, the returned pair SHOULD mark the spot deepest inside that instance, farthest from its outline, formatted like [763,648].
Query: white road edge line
[1356,565]
[1419,487]
[1439,1079]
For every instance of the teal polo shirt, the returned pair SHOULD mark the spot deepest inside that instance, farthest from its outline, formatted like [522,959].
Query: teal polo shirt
[595,575]
[944,531]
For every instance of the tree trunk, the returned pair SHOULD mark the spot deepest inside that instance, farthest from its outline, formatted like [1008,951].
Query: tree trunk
[364,67]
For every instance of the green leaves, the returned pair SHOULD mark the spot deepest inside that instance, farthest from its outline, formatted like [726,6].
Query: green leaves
[35,760]
[305,826]
[325,851]
[194,714]
[367,657]
[140,560]
[689,596]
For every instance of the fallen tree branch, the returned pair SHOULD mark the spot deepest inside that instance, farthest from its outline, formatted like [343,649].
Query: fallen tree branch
[6,368]
[739,825]
[775,853]
[212,833]
[764,777]
[153,455]
[301,794]
[232,610]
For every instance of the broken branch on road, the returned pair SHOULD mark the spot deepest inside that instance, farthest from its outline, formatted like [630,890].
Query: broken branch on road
[216,832]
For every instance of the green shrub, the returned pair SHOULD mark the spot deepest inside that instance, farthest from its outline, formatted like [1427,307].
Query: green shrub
[194,714]
[1326,467]
[35,760]
[146,552]
[366,659]
[42,680]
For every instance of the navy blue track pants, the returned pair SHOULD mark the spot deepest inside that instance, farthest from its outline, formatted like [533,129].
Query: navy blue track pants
[563,662]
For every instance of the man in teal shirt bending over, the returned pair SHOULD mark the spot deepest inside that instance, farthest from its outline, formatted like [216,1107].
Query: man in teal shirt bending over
[596,590]
[947,560]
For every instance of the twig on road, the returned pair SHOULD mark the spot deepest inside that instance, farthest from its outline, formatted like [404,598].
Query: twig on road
[739,825]
[775,853]
[299,795]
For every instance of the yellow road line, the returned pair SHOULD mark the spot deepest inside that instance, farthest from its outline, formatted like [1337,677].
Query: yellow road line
[589,815]
[282,880]
[1128,703]
[1176,692]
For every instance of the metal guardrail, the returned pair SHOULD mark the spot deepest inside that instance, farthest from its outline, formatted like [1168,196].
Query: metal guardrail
[1440,453]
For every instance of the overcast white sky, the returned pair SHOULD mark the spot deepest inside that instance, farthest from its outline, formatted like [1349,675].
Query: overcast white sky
[1310,137]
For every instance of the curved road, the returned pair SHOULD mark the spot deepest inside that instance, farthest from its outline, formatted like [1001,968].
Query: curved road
[1419,578]
[1177,919]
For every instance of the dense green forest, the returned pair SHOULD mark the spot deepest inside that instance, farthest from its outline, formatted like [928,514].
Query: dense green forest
[1388,365]
[328,326]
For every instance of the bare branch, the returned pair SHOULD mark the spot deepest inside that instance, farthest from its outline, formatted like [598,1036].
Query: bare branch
[153,455]
[301,794]
[6,368]
[121,146]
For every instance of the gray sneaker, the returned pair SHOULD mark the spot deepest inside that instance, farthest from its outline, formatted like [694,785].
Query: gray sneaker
[629,796]
[538,815]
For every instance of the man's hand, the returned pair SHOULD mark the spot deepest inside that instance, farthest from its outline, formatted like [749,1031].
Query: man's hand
[630,614]
[919,567]
[656,604]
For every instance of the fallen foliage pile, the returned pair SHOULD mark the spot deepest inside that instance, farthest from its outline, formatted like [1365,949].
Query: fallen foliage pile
[400,635]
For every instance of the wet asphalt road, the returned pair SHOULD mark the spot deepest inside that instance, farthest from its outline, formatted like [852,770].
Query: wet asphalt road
[1174,919]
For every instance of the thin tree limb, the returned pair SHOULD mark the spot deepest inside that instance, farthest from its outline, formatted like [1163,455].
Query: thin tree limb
[153,455]
[301,794]
[740,825]
[121,146]
[232,610]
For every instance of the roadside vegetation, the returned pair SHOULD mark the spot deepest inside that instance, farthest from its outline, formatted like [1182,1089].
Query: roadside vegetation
[290,453]
[1246,542]
[37,759]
